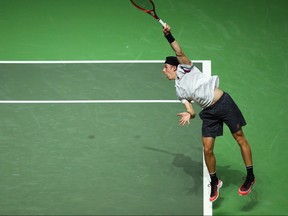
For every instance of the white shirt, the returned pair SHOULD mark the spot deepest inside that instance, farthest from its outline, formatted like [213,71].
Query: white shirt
[192,85]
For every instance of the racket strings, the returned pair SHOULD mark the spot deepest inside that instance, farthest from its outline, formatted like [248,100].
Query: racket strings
[145,5]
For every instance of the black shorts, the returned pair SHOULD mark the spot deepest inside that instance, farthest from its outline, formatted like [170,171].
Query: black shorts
[224,110]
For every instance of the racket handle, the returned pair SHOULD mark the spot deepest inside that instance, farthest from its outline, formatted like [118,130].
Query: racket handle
[162,23]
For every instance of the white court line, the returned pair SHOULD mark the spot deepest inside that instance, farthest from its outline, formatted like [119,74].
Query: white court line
[206,67]
[207,205]
[83,101]
[206,63]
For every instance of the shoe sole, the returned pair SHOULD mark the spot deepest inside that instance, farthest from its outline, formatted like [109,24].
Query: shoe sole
[244,193]
[218,189]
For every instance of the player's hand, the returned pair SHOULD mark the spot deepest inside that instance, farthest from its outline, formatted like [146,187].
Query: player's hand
[166,29]
[185,118]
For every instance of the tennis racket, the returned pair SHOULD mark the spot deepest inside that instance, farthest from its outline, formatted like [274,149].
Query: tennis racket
[148,7]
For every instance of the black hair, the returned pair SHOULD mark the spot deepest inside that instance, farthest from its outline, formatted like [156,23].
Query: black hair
[172,60]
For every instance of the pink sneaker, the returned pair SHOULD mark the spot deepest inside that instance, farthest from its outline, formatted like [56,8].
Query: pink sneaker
[215,190]
[246,187]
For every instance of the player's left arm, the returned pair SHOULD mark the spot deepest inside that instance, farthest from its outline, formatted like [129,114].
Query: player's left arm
[189,114]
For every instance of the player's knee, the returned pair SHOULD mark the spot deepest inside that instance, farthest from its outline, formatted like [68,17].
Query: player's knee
[208,151]
[240,138]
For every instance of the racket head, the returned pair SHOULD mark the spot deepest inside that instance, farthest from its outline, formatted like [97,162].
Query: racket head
[146,6]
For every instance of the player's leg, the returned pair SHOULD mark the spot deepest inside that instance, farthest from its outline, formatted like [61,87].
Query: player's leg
[244,146]
[235,121]
[246,152]
[208,147]
[210,160]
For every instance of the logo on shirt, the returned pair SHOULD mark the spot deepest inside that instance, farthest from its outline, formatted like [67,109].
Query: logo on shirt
[186,69]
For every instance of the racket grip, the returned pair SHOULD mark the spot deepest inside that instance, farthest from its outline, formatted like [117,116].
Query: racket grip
[162,23]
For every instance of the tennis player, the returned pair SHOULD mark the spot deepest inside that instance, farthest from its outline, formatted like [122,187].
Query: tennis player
[217,108]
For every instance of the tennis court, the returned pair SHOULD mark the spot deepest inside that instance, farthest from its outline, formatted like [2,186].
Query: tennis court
[53,151]
[76,139]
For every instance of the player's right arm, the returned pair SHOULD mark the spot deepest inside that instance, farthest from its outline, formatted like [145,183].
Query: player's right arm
[182,58]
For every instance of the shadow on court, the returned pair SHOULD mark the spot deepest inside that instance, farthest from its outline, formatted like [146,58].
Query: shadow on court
[190,167]
[228,175]
[246,205]
[253,202]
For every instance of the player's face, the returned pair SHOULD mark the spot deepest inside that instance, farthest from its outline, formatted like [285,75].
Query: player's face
[170,71]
